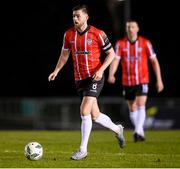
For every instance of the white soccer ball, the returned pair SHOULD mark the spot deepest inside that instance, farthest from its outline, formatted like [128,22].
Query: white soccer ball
[33,151]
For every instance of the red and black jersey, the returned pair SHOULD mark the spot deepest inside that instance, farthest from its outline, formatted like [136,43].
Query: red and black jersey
[86,50]
[134,60]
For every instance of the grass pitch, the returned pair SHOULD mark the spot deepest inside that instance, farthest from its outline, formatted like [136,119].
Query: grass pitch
[160,150]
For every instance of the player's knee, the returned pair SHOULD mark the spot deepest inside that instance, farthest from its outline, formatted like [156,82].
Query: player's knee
[94,118]
[94,115]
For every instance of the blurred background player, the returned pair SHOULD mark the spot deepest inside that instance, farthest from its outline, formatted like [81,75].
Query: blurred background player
[134,51]
[85,43]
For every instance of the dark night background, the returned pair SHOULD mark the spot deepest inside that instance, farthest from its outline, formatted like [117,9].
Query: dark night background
[31,39]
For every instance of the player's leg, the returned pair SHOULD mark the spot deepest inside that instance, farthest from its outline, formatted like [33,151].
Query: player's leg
[141,116]
[129,93]
[132,112]
[105,121]
[136,97]
[141,99]
[86,126]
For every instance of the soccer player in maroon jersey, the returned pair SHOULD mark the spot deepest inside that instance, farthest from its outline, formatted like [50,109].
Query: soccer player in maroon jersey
[134,52]
[85,42]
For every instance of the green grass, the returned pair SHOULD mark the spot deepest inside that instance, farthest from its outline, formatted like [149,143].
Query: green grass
[161,149]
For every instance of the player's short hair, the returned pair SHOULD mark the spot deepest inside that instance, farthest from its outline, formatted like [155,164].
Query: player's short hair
[82,7]
[132,20]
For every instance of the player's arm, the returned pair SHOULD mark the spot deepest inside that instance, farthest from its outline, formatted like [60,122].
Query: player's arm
[157,71]
[61,62]
[110,54]
[112,70]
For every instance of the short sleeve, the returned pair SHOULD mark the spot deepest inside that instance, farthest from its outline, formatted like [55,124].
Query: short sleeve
[150,51]
[65,42]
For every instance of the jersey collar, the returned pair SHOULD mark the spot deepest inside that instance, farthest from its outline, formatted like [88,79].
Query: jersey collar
[132,42]
[81,33]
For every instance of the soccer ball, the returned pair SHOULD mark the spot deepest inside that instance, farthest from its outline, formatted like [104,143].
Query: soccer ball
[33,151]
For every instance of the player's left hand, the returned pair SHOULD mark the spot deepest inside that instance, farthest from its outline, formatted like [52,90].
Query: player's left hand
[159,86]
